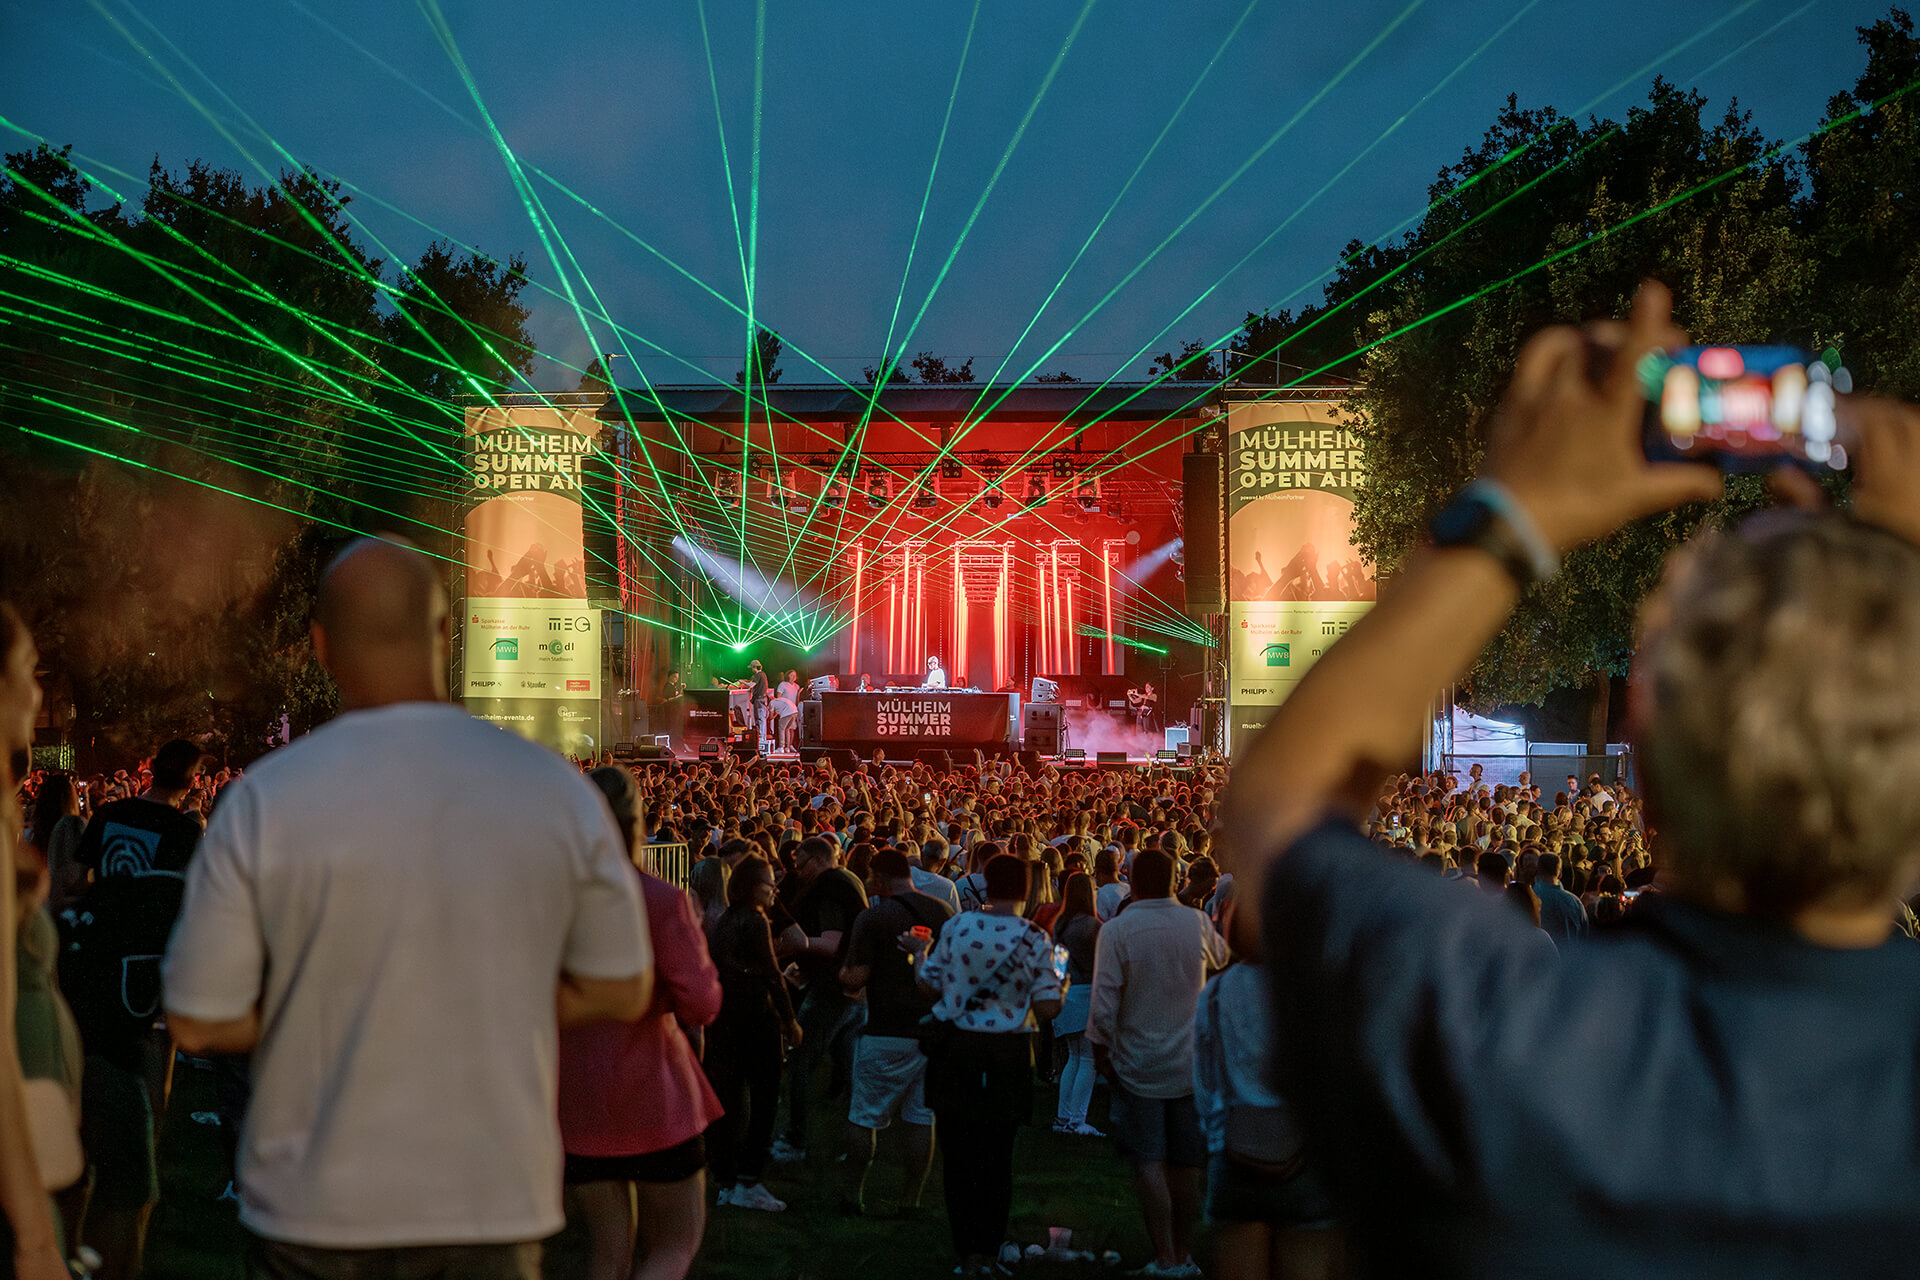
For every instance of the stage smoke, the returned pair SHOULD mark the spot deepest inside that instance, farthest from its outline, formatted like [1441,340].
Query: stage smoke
[1095,731]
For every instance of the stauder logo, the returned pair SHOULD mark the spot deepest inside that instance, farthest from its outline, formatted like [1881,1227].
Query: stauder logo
[506,649]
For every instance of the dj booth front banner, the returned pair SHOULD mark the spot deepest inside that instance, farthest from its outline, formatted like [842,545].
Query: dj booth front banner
[921,719]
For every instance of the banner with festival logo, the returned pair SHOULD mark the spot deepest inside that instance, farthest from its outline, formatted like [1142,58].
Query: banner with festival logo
[1295,583]
[531,643]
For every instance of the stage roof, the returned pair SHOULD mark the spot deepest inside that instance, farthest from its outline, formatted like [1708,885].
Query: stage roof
[921,402]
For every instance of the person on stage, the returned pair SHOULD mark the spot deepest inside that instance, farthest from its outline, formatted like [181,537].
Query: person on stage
[1145,703]
[675,686]
[759,700]
[936,674]
[786,712]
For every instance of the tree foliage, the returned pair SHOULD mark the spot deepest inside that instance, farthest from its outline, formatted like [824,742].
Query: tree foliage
[220,339]
[763,358]
[1552,220]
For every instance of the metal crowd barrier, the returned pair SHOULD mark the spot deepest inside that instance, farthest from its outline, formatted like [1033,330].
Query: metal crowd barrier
[671,862]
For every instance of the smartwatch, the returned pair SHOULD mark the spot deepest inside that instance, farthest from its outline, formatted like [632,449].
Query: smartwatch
[1486,517]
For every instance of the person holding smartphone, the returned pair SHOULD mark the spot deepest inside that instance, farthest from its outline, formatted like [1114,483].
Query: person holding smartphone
[1468,1100]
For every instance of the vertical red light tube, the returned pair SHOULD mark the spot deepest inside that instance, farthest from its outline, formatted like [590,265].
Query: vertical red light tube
[893,610]
[959,659]
[853,635]
[1106,584]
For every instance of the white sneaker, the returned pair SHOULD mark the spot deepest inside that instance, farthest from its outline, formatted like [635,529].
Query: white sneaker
[1081,1129]
[757,1197]
[784,1152]
[726,1197]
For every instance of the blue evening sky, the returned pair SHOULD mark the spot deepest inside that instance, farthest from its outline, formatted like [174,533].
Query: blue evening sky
[614,101]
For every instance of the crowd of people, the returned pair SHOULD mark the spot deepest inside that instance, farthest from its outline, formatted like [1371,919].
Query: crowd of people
[1357,1020]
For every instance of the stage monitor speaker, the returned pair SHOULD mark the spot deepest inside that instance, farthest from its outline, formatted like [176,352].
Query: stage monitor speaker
[622,749]
[746,751]
[1110,757]
[814,755]
[810,723]
[935,758]
[1044,715]
[846,759]
[1205,534]
[710,749]
[1041,741]
[648,751]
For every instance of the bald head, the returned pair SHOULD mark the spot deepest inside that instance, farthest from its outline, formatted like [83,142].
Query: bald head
[380,625]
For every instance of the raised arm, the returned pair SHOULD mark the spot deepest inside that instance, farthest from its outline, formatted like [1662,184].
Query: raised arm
[1566,449]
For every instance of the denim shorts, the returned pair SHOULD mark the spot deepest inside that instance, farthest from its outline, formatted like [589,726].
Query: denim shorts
[1236,1193]
[1156,1130]
[889,1074]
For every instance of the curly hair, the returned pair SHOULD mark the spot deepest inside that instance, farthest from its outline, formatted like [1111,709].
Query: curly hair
[1778,710]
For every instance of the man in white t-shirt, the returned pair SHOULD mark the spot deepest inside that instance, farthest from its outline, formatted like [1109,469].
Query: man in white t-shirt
[387,914]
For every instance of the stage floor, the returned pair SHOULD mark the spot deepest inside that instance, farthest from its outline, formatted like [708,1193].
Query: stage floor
[962,757]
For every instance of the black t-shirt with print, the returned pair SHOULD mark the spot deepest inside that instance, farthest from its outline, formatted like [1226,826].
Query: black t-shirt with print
[895,1003]
[136,837]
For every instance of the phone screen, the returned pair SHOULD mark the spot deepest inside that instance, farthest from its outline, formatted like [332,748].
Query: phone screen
[1744,408]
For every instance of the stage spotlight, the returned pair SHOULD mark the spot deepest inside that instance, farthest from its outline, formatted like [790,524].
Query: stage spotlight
[950,469]
[833,497]
[1036,491]
[991,499]
[877,496]
[1062,467]
[1089,501]
[924,497]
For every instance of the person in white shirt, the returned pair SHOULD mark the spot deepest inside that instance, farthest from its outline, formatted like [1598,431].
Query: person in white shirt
[936,674]
[387,915]
[1149,965]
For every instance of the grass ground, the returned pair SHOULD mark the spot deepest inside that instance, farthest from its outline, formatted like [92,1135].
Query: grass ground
[1061,1182]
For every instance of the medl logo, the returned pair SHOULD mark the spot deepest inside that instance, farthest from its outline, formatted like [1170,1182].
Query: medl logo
[506,649]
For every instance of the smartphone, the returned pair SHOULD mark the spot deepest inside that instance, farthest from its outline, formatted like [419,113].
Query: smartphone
[1744,408]
[1060,962]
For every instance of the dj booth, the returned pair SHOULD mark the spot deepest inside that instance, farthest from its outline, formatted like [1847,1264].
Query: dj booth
[917,718]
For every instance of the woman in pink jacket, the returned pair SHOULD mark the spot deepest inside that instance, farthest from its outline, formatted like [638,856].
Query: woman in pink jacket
[633,1099]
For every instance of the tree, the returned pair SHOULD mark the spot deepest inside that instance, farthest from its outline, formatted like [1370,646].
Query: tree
[1863,218]
[895,374]
[229,341]
[1540,185]
[933,368]
[763,359]
[1195,363]
[1061,376]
